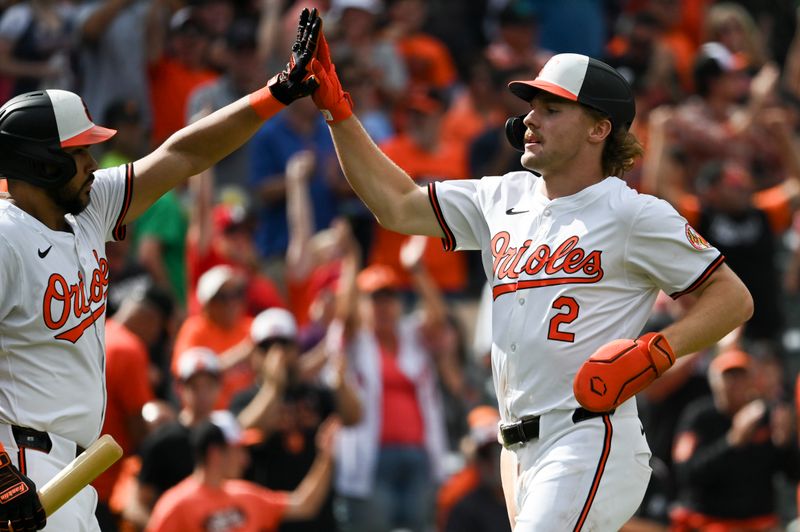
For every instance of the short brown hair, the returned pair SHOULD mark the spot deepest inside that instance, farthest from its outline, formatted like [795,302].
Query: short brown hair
[620,150]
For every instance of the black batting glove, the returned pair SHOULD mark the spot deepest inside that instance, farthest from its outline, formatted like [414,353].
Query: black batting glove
[296,81]
[19,504]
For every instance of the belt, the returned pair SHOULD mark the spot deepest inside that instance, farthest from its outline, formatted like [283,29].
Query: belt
[527,428]
[36,439]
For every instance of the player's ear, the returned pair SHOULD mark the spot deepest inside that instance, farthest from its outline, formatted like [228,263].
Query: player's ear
[599,130]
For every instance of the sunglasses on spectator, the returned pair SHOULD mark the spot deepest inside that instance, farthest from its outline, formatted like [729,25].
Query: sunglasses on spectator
[267,344]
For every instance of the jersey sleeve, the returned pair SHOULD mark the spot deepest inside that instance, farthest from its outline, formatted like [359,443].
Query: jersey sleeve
[112,191]
[663,248]
[457,207]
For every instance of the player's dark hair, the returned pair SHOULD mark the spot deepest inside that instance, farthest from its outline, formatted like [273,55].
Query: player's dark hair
[620,150]
[203,437]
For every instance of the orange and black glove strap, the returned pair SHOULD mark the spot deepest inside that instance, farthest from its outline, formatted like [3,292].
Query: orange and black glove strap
[19,503]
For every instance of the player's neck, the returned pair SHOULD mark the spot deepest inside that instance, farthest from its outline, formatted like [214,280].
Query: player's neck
[560,185]
[38,204]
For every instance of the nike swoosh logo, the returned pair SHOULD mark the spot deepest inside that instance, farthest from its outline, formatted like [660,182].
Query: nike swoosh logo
[512,211]
[43,254]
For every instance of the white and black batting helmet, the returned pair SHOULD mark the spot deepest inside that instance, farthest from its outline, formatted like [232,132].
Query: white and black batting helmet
[35,127]
[580,79]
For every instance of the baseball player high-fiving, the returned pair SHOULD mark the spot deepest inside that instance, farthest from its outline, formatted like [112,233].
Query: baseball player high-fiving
[54,222]
[575,259]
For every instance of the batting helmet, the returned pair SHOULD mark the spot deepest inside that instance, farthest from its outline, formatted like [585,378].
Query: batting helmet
[581,79]
[35,127]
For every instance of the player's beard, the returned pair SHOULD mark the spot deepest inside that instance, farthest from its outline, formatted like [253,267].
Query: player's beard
[68,199]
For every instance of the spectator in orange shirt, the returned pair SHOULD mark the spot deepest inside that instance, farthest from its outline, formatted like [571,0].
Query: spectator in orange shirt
[165,453]
[213,498]
[425,156]
[221,326]
[137,324]
[223,234]
[177,65]
[427,59]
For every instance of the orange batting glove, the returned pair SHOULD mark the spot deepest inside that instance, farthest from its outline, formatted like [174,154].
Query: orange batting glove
[330,97]
[621,369]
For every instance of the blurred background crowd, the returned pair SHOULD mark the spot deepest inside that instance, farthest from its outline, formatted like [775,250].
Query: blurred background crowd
[263,327]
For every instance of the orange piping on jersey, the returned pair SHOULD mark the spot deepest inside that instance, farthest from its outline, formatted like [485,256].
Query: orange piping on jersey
[601,466]
[703,276]
[500,289]
[119,228]
[449,240]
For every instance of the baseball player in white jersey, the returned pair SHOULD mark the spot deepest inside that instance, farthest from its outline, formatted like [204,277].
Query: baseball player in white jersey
[575,259]
[54,222]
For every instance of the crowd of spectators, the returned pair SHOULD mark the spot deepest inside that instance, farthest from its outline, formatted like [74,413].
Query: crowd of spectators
[276,358]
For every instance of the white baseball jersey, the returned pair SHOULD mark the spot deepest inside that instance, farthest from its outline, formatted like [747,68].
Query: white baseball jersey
[52,312]
[568,275]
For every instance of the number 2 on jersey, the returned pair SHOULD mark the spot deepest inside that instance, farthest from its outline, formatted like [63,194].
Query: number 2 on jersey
[568,308]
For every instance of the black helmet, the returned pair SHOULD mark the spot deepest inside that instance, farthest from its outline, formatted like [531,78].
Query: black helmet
[35,127]
[581,79]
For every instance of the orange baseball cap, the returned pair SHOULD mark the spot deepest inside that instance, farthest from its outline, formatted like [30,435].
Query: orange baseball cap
[377,277]
[730,359]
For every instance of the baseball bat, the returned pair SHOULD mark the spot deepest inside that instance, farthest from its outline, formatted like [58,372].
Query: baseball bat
[79,473]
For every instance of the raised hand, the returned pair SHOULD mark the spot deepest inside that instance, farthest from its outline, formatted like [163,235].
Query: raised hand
[330,97]
[296,80]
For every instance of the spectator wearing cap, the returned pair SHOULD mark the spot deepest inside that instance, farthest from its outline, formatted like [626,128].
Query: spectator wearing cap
[389,464]
[475,501]
[427,59]
[177,64]
[134,328]
[221,326]
[222,233]
[214,497]
[131,141]
[242,74]
[166,455]
[288,408]
[728,450]
[425,155]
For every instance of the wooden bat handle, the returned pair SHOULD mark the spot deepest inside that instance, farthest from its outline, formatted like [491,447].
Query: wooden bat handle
[79,473]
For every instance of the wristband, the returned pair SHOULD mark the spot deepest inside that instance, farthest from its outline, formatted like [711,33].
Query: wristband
[264,103]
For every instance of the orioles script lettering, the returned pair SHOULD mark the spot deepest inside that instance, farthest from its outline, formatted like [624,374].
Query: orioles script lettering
[575,264]
[62,299]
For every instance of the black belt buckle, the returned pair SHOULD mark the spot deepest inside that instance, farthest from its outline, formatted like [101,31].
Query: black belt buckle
[32,439]
[524,430]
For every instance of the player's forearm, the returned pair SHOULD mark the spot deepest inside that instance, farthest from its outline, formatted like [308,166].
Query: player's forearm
[206,141]
[723,304]
[384,187]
